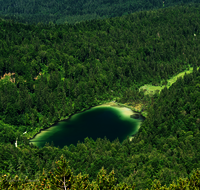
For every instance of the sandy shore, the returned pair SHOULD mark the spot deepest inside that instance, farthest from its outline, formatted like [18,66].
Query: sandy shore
[126,111]
[108,104]
[131,138]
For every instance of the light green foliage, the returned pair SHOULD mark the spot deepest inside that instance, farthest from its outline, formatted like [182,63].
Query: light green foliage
[63,179]
[150,89]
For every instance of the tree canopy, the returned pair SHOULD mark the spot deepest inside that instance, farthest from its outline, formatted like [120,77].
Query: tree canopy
[53,71]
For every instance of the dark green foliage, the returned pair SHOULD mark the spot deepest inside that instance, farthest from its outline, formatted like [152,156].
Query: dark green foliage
[79,182]
[73,12]
[62,69]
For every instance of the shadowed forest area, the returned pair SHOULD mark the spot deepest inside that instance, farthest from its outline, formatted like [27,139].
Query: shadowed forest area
[52,71]
[73,12]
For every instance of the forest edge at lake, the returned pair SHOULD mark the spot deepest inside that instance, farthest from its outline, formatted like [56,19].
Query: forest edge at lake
[137,108]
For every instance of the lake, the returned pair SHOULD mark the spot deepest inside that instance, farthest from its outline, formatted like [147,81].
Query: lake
[107,120]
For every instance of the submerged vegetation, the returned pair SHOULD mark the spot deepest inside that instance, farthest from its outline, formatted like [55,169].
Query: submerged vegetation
[60,70]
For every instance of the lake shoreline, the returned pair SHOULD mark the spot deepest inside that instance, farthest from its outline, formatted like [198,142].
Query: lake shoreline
[127,111]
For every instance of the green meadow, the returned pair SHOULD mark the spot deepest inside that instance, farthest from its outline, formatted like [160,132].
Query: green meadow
[151,90]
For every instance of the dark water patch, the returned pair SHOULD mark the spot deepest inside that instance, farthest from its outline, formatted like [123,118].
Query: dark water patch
[137,116]
[99,122]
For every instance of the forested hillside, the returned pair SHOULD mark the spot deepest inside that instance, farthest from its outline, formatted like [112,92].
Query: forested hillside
[53,71]
[70,11]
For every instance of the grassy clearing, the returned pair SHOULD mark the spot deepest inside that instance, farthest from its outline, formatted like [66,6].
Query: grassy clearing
[149,89]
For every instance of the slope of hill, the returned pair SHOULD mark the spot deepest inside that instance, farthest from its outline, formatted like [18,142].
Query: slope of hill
[79,66]
[69,11]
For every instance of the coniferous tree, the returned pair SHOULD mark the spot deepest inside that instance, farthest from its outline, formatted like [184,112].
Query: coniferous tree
[63,176]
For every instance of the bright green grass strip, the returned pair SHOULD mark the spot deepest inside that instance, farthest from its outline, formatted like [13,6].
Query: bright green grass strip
[152,89]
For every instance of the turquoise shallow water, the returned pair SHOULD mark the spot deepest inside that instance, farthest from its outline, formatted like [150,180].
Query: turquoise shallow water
[98,122]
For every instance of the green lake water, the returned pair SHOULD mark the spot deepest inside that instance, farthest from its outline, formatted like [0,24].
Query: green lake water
[98,122]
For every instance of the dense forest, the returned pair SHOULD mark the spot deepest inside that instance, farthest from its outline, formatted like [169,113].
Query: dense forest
[70,11]
[50,71]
